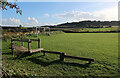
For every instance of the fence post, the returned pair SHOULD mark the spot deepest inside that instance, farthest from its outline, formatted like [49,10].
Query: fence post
[22,42]
[39,43]
[62,56]
[29,46]
[44,53]
[89,62]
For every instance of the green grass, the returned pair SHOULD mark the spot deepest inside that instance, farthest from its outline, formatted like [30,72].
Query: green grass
[103,47]
[92,29]
[102,29]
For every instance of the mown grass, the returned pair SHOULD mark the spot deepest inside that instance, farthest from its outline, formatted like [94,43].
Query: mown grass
[103,47]
[102,29]
[92,29]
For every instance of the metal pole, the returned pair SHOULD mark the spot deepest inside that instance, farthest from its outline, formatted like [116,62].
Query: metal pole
[36,31]
[49,30]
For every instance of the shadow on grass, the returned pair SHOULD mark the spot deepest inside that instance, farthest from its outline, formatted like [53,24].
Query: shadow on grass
[43,63]
[46,63]
[18,56]
[7,53]
[22,55]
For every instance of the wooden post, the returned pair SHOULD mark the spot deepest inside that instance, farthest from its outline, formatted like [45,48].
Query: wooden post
[89,62]
[44,53]
[22,42]
[62,56]
[39,43]
[29,46]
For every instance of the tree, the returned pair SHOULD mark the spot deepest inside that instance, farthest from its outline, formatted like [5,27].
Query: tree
[5,3]
[20,27]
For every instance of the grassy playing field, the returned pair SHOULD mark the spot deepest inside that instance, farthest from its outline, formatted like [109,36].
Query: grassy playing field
[103,47]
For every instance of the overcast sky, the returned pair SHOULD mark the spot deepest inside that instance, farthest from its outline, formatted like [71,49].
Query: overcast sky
[51,13]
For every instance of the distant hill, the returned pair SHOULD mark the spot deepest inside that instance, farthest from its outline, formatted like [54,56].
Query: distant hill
[86,24]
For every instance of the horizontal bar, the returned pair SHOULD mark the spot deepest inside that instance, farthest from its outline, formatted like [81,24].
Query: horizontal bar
[25,40]
[36,50]
[34,39]
[52,52]
[81,58]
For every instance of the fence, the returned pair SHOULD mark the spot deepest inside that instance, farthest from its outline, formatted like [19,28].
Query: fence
[63,56]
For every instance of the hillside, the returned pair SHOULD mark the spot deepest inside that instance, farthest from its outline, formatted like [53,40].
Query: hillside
[86,24]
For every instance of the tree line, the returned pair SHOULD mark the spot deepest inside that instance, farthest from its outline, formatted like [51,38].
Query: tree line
[86,24]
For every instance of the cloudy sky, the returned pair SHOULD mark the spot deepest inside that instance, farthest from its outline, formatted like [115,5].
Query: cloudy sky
[52,13]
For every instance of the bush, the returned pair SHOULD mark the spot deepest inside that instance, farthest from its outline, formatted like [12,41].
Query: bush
[6,37]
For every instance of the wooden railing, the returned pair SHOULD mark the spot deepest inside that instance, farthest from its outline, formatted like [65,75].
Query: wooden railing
[29,44]
[63,56]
